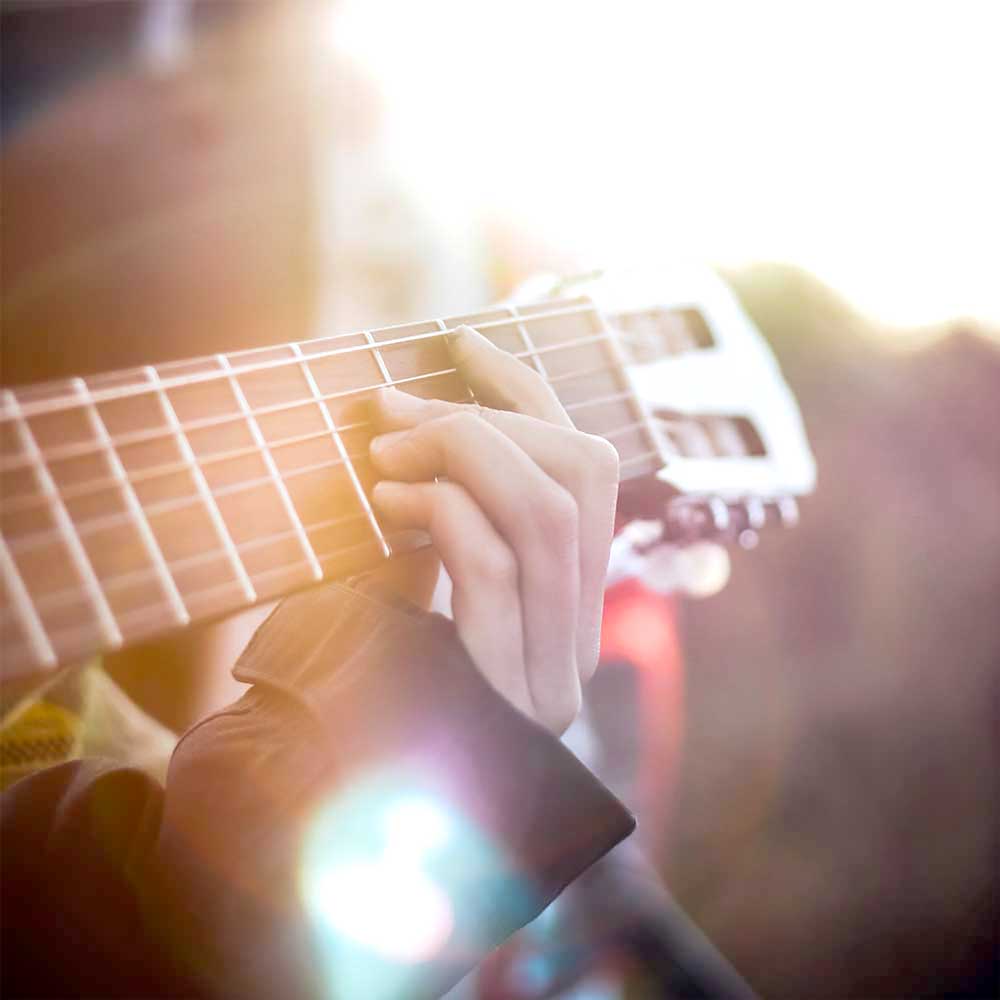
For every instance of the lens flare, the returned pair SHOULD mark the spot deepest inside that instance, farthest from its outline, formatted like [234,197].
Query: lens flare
[385,905]
[415,827]
[365,880]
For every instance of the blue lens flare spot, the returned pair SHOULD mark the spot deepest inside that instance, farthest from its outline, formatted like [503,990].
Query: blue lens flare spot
[364,878]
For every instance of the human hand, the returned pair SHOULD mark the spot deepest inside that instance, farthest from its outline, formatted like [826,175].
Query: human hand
[523,522]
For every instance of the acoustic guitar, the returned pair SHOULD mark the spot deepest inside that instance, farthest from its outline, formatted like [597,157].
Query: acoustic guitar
[138,502]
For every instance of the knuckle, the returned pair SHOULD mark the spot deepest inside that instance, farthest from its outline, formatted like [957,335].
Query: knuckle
[597,468]
[601,458]
[496,566]
[485,414]
[448,496]
[446,502]
[556,517]
[461,423]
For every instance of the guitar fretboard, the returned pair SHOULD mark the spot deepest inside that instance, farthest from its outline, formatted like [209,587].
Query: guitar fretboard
[140,501]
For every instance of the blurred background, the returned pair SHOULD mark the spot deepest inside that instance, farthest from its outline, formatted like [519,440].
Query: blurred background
[833,824]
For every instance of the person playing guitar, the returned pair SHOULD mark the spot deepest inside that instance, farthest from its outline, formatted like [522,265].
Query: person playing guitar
[389,800]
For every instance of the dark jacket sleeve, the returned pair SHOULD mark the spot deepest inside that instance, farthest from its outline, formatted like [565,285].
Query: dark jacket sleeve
[369,820]
[75,841]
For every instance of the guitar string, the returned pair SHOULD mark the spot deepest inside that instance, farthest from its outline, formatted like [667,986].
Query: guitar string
[373,349]
[71,402]
[17,504]
[95,525]
[156,610]
[92,525]
[68,596]
[153,611]
[83,449]
[85,631]
[22,501]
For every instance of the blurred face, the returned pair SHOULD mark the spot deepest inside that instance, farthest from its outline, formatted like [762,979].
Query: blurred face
[157,215]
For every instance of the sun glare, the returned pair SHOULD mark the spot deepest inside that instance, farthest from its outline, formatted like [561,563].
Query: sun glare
[854,139]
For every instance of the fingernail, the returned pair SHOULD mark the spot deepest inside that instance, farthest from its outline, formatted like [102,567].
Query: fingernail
[385,492]
[403,402]
[386,442]
[456,339]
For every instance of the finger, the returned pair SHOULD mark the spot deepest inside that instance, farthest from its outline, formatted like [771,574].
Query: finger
[585,465]
[569,456]
[483,570]
[535,516]
[500,380]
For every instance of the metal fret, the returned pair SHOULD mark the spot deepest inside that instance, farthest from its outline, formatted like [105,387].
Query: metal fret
[135,508]
[272,468]
[341,448]
[388,380]
[639,408]
[38,638]
[105,616]
[528,343]
[615,397]
[201,484]
[62,598]
[443,327]
[142,616]
[108,395]
[377,354]
[74,451]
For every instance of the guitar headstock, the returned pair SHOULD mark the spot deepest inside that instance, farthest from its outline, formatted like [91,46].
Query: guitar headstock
[734,451]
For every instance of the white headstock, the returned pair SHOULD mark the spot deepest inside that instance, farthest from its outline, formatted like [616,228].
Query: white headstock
[729,430]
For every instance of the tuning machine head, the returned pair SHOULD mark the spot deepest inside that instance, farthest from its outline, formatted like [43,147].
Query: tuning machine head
[692,519]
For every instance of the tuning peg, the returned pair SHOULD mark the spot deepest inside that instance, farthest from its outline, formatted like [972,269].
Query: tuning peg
[748,518]
[685,521]
[718,512]
[788,511]
[688,520]
[756,513]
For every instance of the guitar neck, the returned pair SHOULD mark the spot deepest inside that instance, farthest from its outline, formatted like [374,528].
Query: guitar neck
[142,501]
